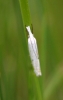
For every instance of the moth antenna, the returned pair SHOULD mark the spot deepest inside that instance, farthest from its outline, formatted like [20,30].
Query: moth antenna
[32,28]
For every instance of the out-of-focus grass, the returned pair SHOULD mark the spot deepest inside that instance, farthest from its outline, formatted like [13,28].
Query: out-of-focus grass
[15,81]
[13,74]
[51,28]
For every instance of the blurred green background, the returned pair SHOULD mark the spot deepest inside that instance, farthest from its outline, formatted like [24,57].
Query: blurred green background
[15,81]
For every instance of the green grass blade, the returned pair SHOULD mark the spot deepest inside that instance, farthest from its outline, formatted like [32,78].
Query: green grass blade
[25,12]
[27,21]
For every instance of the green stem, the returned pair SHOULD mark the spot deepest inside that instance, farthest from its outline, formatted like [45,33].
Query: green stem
[25,12]
[27,21]
[37,86]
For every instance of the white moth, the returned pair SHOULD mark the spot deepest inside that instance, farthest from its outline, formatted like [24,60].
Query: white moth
[33,51]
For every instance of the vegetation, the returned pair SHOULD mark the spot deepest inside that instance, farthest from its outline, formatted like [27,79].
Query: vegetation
[17,78]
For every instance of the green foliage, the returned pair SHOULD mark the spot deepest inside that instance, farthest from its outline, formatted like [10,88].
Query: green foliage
[17,78]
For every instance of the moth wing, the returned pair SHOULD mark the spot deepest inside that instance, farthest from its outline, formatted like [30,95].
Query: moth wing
[30,48]
[36,49]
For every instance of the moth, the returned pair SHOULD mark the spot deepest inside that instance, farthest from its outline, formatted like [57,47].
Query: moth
[33,51]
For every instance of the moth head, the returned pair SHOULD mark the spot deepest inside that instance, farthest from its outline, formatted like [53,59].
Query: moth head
[29,32]
[28,29]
